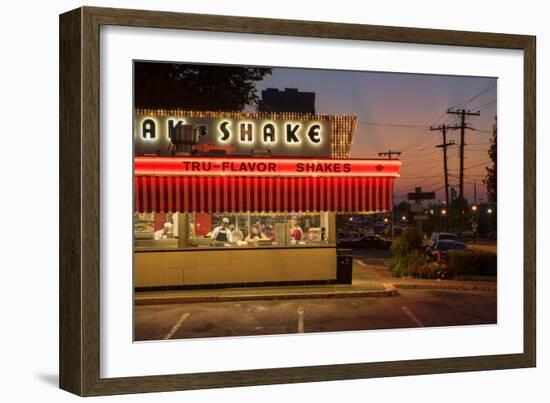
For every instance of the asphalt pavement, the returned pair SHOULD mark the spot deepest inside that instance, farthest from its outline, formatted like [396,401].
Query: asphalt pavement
[412,308]
[419,303]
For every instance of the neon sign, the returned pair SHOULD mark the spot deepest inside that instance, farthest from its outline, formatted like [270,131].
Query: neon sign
[196,166]
[246,132]
[291,133]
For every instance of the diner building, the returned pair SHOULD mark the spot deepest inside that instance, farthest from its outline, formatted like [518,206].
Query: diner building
[227,199]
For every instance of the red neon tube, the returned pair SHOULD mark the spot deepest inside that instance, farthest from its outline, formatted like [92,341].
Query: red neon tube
[264,167]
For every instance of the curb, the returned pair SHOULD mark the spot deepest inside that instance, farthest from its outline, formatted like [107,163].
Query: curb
[388,291]
[459,287]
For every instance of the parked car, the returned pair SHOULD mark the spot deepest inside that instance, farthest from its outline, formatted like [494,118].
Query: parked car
[491,235]
[441,236]
[439,249]
[468,235]
[366,242]
[343,237]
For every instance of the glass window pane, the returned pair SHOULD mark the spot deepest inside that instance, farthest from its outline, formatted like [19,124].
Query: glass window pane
[155,229]
[257,229]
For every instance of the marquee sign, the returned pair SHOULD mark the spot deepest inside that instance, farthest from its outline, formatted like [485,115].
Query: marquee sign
[152,134]
[265,167]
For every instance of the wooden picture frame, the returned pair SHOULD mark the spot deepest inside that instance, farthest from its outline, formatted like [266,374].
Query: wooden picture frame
[80,184]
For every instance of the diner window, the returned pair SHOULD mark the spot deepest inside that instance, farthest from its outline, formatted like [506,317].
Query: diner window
[257,229]
[155,230]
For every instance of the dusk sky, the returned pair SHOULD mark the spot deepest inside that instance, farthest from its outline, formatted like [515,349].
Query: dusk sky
[395,111]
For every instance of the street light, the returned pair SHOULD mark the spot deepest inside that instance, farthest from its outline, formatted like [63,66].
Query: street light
[385,219]
[404,218]
[474,208]
[490,210]
[443,211]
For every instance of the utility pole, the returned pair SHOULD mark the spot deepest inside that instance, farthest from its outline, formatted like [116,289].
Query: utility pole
[389,153]
[463,126]
[444,145]
[475,190]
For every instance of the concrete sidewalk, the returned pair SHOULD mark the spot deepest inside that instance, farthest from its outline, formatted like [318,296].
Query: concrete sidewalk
[377,270]
[371,279]
[465,285]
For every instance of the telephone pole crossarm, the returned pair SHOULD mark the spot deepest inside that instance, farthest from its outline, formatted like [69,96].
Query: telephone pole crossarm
[389,153]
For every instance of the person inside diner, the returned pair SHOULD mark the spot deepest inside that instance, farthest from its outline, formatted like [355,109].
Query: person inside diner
[222,233]
[269,230]
[164,232]
[236,234]
[255,234]
[296,233]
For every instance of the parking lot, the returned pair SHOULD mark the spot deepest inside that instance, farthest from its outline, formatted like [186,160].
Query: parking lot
[412,308]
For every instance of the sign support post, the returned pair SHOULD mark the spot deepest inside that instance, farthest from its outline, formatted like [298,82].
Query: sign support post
[418,195]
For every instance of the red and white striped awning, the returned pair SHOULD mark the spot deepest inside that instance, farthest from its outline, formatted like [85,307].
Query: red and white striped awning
[230,192]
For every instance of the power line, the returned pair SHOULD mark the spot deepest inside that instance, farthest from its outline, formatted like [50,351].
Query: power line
[434,164]
[482,131]
[485,105]
[484,91]
[463,126]
[478,151]
[395,125]
[443,129]
[427,183]
[478,165]
[423,157]
[416,161]
[415,142]
[473,166]
[423,134]
[426,142]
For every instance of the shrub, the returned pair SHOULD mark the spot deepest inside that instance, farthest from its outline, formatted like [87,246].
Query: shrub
[415,260]
[408,241]
[432,270]
[472,262]
[396,267]
[407,253]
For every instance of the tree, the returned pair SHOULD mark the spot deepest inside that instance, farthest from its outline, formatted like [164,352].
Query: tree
[491,175]
[197,87]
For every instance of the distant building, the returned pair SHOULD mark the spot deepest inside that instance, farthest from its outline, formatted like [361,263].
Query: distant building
[289,100]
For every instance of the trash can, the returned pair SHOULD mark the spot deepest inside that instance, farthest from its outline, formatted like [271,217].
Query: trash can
[344,266]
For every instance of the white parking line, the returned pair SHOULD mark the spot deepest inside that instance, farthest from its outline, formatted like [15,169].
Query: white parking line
[361,263]
[411,315]
[300,311]
[178,324]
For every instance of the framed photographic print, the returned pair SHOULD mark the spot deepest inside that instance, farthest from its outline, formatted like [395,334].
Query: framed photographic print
[251,201]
